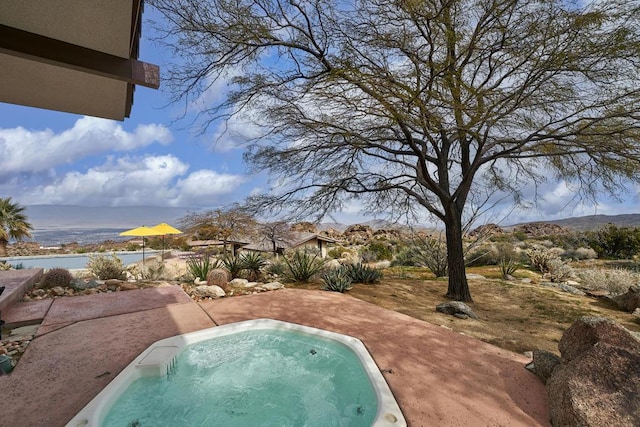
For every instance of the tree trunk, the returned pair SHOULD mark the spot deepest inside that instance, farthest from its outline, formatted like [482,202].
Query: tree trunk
[458,289]
[3,247]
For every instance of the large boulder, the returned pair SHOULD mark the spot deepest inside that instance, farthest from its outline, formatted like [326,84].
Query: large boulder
[456,308]
[304,227]
[597,382]
[543,364]
[630,300]
[217,277]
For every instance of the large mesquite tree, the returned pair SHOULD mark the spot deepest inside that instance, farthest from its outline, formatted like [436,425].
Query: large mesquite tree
[418,105]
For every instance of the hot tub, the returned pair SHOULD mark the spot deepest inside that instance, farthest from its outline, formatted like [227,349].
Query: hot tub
[258,372]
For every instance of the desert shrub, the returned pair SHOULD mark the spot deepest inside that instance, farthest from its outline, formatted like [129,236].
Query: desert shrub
[56,277]
[199,266]
[234,265]
[539,258]
[405,257]
[336,280]
[425,252]
[106,267]
[616,281]
[483,255]
[558,271]
[378,251]
[615,242]
[303,265]
[152,270]
[583,253]
[252,263]
[4,266]
[276,268]
[131,247]
[336,252]
[360,273]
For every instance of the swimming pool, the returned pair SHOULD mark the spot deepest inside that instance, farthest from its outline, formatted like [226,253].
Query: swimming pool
[73,261]
[259,372]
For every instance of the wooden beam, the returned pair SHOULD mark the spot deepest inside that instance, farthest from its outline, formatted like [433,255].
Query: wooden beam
[56,52]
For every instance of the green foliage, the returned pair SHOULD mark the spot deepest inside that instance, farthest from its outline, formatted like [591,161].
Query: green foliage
[234,265]
[508,260]
[483,255]
[303,265]
[377,251]
[252,263]
[360,273]
[199,266]
[336,252]
[427,252]
[131,247]
[276,268]
[13,223]
[336,280]
[106,267]
[615,242]
[56,277]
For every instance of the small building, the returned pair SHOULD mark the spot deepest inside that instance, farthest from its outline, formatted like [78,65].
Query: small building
[296,240]
[205,244]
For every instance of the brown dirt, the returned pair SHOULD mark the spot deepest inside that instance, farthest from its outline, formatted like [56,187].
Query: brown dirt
[513,315]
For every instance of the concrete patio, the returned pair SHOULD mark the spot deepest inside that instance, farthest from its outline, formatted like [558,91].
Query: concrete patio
[439,377]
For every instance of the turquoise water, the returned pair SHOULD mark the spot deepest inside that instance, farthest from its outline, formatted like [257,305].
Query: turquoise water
[254,378]
[72,261]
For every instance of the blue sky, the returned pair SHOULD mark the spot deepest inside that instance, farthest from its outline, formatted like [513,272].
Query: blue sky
[151,159]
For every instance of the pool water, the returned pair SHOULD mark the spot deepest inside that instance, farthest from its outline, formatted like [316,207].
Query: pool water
[253,378]
[73,261]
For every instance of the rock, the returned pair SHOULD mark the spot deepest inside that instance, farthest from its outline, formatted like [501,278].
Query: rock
[543,364]
[486,230]
[304,227]
[570,289]
[588,331]
[472,276]
[199,281]
[597,293]
[537,229]
[596,383]
[525,280]
[126,286]
[58,291]
[630,300]
[217,277]
[251,284]
[78,284]
[39,292]
[456,307]
[112,283]
[205,291]
[272,286]
[636,312]
[239,282]
[461,316]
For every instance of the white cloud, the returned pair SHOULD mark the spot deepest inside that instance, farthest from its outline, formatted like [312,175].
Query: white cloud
[235,132]
[27,151]
[150,181]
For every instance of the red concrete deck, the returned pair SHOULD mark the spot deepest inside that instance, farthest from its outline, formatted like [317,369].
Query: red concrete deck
[439,378]
[16,283]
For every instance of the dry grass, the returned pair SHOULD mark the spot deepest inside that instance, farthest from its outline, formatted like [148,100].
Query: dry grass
[513,315]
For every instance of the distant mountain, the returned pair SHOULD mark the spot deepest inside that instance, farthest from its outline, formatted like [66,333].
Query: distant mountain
[46,217]
[594,222]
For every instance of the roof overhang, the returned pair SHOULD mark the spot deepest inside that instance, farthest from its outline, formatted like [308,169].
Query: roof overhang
[75,56]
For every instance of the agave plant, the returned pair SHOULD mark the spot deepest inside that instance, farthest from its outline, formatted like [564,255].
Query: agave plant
[199,266]
[337,280]
[303,265]
[252,263]
[360,273]
[234,265]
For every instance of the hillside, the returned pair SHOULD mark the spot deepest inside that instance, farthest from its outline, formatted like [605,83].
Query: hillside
[594,222]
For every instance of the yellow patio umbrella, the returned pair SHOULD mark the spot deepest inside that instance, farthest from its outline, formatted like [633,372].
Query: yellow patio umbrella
[163,229]
[141,232]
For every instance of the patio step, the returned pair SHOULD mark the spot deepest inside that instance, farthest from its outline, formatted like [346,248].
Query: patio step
[16,283]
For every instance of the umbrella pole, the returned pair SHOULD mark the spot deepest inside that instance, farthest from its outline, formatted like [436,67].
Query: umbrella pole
[143,250]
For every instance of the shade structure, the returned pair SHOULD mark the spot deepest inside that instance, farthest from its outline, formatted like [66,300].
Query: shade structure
[141,232]
[163,229]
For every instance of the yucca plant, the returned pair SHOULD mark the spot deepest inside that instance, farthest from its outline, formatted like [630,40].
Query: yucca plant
[199,266]
[303,265]
[234,265]
[336,280]
[360,273]
[252,263]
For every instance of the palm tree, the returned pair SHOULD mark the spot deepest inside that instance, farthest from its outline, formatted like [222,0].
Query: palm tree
[13,223]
